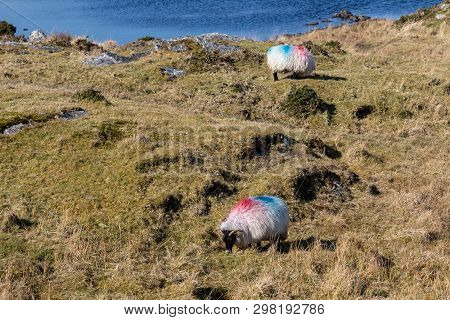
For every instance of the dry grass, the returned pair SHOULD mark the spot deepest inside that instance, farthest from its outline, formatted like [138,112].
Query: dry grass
[124,202]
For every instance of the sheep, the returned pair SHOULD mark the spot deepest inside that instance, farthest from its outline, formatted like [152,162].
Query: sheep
[289,58]
[253,220]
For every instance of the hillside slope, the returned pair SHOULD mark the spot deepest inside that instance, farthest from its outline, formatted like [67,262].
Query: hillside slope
[124,202]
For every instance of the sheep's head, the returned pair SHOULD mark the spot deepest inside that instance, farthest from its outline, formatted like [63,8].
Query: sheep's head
[229,237]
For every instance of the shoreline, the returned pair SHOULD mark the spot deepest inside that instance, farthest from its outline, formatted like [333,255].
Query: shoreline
[319,23]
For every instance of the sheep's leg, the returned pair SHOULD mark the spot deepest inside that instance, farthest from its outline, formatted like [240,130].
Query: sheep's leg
[276,241]
[275,76]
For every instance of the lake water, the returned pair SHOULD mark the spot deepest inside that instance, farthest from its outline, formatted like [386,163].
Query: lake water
[127,20]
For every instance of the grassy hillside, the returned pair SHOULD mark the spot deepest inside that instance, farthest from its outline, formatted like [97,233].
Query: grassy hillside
[125,202]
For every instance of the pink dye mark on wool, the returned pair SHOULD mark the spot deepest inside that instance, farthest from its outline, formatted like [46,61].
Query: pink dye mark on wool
[246,205]
[243,205]
[300,50]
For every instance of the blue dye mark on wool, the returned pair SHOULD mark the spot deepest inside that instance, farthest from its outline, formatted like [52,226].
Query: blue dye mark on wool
[266,199]
[286,49]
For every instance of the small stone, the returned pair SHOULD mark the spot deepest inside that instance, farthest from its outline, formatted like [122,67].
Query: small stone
[37,36]
[178,48]
[172,72]
[434,82]
[71,114]
[440,16]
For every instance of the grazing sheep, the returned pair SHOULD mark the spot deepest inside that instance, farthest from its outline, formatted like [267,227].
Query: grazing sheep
[255,219]
[288,58]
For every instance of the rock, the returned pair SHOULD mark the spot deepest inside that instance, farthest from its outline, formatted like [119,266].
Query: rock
[37,36]
[107,59]
[343,14]
[210,46]
[215,36]
[172,73]
[209,42]
[177,47]
[71,114]
[434,82]
[158,45]
[440,16]
[16,128]
[347,15]
[315,23]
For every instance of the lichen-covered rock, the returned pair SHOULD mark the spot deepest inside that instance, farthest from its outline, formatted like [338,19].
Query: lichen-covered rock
[347,15]
[107,59]
[210,42]
[172,73]
[16,128]
[37,36]
[71,114]
[343,14]
[180,47]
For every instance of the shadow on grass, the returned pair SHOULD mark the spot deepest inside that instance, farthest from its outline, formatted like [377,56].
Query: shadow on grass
[306,245]
[316,77]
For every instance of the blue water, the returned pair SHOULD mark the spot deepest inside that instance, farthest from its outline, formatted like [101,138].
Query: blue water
[126,20]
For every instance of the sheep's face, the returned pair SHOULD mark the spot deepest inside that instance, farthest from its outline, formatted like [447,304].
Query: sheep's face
[229,237]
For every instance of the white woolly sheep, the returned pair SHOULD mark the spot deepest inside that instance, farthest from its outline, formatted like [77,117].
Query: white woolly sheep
[255,219]
[288,58]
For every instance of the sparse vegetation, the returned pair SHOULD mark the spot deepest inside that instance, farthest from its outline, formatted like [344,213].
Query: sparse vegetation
[62,39]
[303,102]
[146,38]
[91,95]
[7,29]
[125,203]
[83,44]
[108,133]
